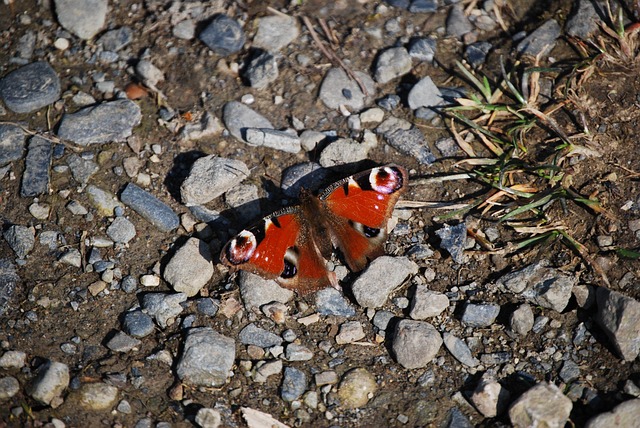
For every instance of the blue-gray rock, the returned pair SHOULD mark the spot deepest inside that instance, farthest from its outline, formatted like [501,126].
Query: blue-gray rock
[223,35]
[50,380]
[338,89]
[109,121]
[569,372]
[294,384]
[453,239]
[261,71]
[479,314]
[207,358]
[122,342]
[541,41]
[411,142]
[273,139]
[619,317]
[238,117]
[30,87]
[495,358]
[114,40]
[423,6]
[275,32]
[20,238]
[129,284]
[9,278]
[382,276]
[307,175]
[35,179]
[424,94]
[521,320]
[121,230]
[392,63]
[389,102]
[207,306]
[423,48]
[210,177]
[257,291]
[459,350]
[402,4]
[295,352]
[137,324]
[190,268]
[583,22]
[150,208]
[476,53]
[12,139]
[457,22]
[330,301]
[9,386]
[456,419]
[84,18]
[254,335]
[541,285]
[25,47]
[81,169]
[415,343]
[163,307]
[382,318]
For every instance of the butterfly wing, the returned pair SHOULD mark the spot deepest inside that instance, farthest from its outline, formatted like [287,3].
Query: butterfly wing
[279,247]
[358,208]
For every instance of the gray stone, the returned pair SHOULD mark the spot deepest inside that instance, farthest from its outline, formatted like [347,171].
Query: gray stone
[26,45]
[490,398]
[453,239]
[110,121]
[137,324]
[269,368]
[624,414]
[543,405]
[261,70]
[21,239]
[540,285]
[476,53]
[208,126]
[150,208]
[257,291]
[163,307]
[356,388]
[210,177]
[583,22]
[121,230]
[427,303]
[29,88]
[424,94]
[343,151]
[51,379]
[9,278]
[207,306]
[411,142]
[81,169]
[254,335]
[619,317]
[372,288]
[35,179]
[569,372]
[207,358]
[208,418]
[275,32]
[350,331]
[223,35]
[338,89]
[541,41]
[115,40]
[273,139]
[185,29]
[124,407]
[105,201]
[423,49]
[295,352]
[415,343]
[9,386]
[457,22]
[12,141]
[392,63]
[122,342]
[456,419]
[423,6]
[71,257]
[382,319]
[238,117]
[149,73]
[245,202]
[389,102]
[330,301]
[521,320]
[294,384]
[84,18]
[480,315]
[13,360]
[305,175]
[98,396]
[459,350]
[190,268]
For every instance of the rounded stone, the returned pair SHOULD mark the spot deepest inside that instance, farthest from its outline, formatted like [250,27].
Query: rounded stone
[356,388]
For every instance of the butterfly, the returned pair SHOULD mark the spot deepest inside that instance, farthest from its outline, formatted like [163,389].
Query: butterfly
[292,245]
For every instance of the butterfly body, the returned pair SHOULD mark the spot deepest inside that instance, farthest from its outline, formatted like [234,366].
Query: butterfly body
[293,244]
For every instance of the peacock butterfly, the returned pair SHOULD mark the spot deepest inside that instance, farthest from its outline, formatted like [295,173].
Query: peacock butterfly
[293,244]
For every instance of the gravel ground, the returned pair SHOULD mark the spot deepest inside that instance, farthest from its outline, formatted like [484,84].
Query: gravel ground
[137,137]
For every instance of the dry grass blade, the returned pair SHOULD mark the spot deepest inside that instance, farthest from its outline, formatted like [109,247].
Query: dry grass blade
[466,147]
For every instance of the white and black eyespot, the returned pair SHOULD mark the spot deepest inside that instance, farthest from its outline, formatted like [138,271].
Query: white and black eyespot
[386,180]
[290,263]
[366,231]
[241,248]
